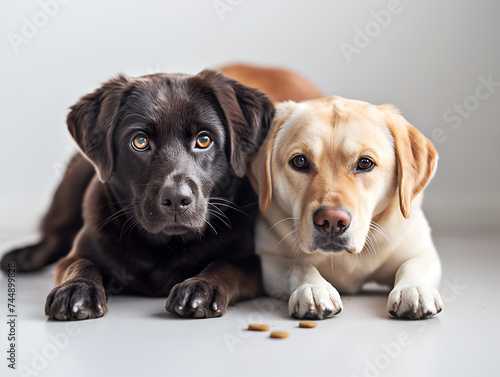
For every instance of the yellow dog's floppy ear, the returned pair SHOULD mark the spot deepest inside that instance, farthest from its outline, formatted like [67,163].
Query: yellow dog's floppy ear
[416,158]
[259,171]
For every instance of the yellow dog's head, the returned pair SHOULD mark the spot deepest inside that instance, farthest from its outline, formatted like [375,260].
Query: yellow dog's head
[335,164]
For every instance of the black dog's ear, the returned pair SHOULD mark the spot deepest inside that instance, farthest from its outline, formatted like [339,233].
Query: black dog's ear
[247,112]
[91,123]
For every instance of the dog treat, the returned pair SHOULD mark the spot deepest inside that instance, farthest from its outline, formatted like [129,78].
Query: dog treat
[258,327]
[307,324]
[279,335]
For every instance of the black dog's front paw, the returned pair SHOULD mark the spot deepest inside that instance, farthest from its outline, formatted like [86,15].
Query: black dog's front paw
[76,299]
[197,298]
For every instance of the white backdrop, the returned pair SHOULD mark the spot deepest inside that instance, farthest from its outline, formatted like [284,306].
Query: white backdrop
[439,62]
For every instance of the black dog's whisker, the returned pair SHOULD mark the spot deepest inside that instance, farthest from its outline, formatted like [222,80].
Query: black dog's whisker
[128,225]
[218,209]
[224,218]
[211,226]
[227,223]
[111,204]
[238,209]
[229,202]
[124,211]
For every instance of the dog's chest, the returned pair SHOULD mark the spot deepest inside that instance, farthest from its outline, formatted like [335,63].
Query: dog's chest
[147,271]
[344,272]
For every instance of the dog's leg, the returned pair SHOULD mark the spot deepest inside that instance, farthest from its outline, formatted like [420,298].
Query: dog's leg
[414,295]
[79,293]
[60,224]
[309,294]
[209,293]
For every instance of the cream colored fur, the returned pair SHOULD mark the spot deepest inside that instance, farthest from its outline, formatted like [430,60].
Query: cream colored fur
[389,237]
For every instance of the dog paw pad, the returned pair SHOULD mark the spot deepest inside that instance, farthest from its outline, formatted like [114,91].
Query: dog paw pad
[196,298]
[76,300]
[414,301]
[311,301]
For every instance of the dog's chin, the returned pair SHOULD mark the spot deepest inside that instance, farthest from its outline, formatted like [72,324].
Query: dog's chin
[335,249]
[178,230]
[173,230]
[168,228]
[329,246]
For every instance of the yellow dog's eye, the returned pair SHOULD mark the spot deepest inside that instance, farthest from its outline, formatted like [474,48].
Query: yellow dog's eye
[140,142]
[299,162]
[365,164]
[203,141]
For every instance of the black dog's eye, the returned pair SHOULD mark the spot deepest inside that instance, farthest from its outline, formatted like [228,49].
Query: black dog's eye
[299,162]
[365,164]
[140,142]
[203,141]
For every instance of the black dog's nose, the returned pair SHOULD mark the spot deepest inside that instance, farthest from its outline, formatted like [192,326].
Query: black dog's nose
[332,220]
[176,197]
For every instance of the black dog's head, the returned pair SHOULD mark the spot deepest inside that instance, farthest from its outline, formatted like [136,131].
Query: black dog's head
[164,142]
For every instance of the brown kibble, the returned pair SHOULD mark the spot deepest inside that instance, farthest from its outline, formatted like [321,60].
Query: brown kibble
[307,324]
[279,335]
[258,327]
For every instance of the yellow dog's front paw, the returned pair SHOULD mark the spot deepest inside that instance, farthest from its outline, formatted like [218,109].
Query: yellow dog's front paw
[414,301]
[315,301]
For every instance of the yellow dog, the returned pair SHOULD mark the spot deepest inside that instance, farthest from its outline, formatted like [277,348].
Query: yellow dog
[340,187]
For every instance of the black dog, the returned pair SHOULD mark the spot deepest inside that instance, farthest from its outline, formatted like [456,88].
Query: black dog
[166,211]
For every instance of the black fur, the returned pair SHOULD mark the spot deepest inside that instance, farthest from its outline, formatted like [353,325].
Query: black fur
[132,240]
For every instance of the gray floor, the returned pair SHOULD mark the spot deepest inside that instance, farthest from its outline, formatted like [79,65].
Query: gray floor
[137,337]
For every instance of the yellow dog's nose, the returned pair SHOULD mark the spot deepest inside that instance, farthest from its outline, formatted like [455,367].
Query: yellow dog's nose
[333,220]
